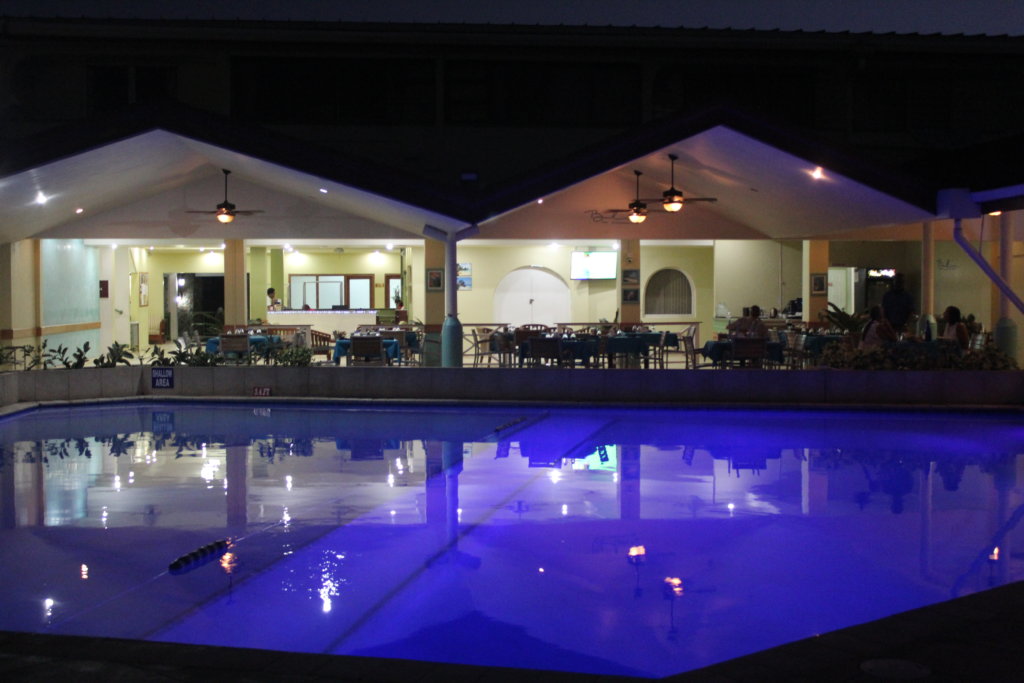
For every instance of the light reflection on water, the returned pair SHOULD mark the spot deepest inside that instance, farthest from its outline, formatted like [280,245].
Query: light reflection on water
[499,535]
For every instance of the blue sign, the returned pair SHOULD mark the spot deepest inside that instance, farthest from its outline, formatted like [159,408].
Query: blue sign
[163,378]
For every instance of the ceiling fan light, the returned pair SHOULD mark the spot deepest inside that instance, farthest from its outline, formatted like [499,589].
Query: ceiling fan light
[672,200]
[225,216]
[637,212]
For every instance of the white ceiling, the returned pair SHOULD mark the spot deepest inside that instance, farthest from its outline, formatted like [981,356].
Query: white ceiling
[138,190]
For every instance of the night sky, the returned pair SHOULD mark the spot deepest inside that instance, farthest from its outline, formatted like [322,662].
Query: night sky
[993,17]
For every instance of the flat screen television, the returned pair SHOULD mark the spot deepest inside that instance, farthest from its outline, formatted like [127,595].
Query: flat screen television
[594,265]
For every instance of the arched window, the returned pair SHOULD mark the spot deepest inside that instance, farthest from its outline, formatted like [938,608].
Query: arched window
[668,292]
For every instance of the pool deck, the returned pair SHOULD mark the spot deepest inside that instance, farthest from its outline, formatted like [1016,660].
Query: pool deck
[973,638]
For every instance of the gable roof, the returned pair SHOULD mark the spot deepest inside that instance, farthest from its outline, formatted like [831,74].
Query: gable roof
[760,173]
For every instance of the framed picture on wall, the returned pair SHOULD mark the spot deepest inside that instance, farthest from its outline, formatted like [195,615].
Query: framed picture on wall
[464,270]
[465,283]
[435,279]
[630,296]
[631,277]
[143,289]
[819,284]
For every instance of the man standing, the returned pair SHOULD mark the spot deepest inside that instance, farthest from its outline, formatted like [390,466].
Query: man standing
[897,304]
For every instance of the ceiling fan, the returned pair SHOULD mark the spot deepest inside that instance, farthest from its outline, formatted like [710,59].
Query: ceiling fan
[226,211]
[672,200]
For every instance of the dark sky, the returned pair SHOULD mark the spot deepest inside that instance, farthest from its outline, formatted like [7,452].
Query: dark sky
[993,17]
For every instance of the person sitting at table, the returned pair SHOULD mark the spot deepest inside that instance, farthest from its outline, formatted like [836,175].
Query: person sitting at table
[877,331]
[749,326]
[955,330]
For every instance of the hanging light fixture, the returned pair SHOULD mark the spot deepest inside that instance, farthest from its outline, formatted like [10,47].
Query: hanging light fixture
[672,198]
[637,209]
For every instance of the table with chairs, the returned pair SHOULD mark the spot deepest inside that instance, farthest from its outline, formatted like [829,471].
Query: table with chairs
[367,350]
[744,352]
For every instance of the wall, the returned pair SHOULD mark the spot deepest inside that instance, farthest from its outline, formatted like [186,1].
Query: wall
[70,273]
[960,282]
[765,273]
[698,263]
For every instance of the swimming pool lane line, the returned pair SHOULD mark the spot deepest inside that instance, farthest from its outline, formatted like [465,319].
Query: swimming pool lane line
[427,564]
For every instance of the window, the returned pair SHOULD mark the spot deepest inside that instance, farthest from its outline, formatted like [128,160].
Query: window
[668,292]
[323,292]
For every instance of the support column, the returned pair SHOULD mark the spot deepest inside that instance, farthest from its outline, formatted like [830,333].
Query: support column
[451,330]
[816,262]
[277,277]
[235,308]
[259,281]
[927,320]
[1005,336]
[433,302]
[629,295]
[20,294]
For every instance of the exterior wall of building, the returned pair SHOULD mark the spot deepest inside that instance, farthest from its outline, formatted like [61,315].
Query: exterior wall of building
[70,275]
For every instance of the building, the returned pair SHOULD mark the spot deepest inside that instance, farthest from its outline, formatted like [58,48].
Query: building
[823,150]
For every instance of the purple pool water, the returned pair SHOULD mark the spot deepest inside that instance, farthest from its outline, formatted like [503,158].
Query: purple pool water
[498,535]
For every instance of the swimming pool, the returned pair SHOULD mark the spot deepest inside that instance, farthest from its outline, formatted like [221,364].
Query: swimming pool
[498,535]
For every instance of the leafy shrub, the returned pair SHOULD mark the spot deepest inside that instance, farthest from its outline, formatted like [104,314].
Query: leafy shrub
[295,356]
[916,357]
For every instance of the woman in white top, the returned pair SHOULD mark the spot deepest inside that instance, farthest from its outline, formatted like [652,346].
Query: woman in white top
[877,332]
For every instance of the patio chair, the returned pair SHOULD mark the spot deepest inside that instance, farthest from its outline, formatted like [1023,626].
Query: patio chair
[690,354]
[235,347]
[367,351]
[548,351]
[747,352]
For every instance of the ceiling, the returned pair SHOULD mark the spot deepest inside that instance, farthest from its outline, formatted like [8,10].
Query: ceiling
[136,189]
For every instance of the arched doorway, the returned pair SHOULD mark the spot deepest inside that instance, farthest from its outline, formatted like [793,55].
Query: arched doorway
[532,295]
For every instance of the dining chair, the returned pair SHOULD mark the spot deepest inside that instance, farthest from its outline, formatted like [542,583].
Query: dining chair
[367,351]
[480,345]
[658,352]
[690,354]
[548,351]
[794,354]
[235,347]
[746,350]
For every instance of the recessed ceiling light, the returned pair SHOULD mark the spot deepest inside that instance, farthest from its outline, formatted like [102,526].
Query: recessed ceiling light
[389,246]
[995,213]
[818,173]
[540,201]
[41,198]
[79,210]
[323,190]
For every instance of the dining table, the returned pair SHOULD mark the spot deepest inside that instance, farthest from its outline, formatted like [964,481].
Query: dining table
[258,343]
[718,350]
[343,346]
[579,349]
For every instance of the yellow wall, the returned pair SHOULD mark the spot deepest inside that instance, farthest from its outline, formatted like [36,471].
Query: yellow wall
[591,300]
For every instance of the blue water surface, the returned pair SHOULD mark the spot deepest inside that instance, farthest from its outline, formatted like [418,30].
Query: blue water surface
[497,535]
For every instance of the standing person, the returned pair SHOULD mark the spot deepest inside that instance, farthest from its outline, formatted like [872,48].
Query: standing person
[897,304]
[273,303]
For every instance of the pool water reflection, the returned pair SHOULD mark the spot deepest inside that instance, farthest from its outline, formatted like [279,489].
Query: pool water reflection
[618,541]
